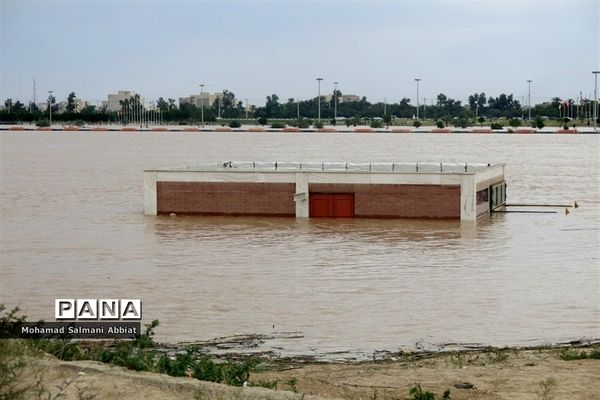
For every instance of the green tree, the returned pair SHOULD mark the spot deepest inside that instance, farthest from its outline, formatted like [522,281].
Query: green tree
[18,107]
[229,108]
[88,110]
[33,108]
[447,107]
[51,102]
[503,106]
[162,104]
[477,100]
[272,106]
[71,102]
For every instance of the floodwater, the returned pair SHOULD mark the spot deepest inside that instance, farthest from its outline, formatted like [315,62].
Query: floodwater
[72,226]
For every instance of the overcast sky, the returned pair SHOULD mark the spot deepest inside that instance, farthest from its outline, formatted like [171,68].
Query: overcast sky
[255,48]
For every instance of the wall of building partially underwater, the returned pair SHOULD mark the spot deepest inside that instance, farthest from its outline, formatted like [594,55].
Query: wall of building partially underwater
[373,190]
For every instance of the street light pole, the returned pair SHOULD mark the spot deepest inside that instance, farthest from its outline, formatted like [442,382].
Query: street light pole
[335,101]
[417,80]
[219,109]
[202,103]
[529,99]
[595,99]
[319,99]
[50,104]
[151,113]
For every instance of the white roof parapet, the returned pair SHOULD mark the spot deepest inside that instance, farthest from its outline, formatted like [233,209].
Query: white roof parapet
[311,166]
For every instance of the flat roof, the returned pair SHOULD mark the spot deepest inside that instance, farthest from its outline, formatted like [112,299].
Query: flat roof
[311,166]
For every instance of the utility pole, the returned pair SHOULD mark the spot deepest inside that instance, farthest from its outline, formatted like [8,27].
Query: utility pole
[298,108]
[50,104]
[335,101]
[529,99]
[580,109]
[34,95]
[247,108]
[319,99]
[202,103]
[417,80]
[595,100]
[385,106]
[219,104]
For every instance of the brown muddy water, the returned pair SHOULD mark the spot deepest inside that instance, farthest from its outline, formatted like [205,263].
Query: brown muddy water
[72,226]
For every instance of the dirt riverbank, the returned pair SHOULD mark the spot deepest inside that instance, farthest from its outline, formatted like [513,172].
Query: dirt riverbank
[479,375]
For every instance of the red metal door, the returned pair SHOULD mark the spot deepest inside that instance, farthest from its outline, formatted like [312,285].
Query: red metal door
[321,205]
[331,205]
[343,206]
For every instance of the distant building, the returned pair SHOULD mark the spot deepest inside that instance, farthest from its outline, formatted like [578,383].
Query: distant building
[114,100]
[205,100]
[79,105]
[345,98]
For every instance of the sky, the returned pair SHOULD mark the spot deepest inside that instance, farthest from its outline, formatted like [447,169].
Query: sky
[255,48]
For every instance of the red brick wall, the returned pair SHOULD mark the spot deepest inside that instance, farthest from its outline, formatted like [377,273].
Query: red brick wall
[406,201]
[275,199]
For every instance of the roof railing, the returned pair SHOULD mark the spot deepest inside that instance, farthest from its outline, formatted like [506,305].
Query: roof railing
[401,167]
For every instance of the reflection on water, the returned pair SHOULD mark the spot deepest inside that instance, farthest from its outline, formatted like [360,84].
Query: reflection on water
[72,226]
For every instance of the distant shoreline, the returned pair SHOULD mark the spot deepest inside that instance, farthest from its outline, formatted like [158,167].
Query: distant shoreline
[265,129]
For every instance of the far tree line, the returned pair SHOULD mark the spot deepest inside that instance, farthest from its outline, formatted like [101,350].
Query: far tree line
[445,108]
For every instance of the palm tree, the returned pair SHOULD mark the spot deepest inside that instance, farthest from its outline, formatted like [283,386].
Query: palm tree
[124,109]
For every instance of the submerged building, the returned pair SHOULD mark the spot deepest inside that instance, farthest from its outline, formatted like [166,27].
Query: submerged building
[346,190]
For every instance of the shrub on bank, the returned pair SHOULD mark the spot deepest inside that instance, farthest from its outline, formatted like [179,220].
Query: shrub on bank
[42,123]
[496,125]
[440,124]
[230,373]
[235,124]
[318,124]
[419,394]
[387,119]
[375,123]
[569,355]
[417,123]
[460,122]
[304,123]
[514,122]
[538,123]
[278,125]
[139,354]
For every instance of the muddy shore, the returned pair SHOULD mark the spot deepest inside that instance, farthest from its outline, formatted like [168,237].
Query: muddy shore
[486,374]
